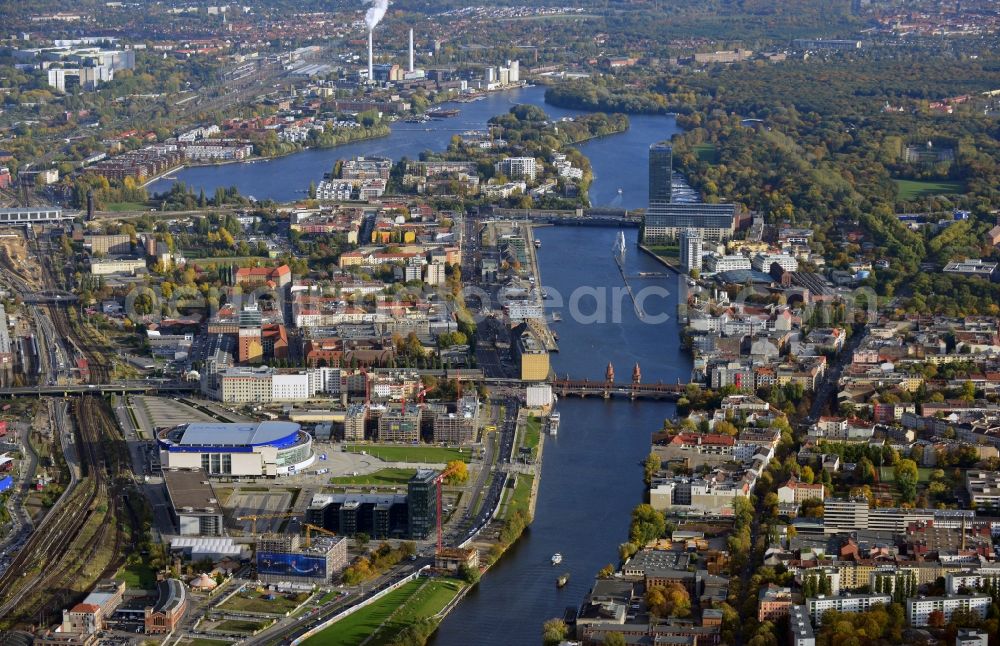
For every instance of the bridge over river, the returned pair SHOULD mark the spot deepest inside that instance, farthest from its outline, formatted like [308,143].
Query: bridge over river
[567,387]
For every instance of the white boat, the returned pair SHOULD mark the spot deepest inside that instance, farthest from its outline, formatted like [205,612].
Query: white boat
[556,558]
[554,423]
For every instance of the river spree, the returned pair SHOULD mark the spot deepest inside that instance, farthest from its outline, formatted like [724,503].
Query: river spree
[619,161]
[592,473]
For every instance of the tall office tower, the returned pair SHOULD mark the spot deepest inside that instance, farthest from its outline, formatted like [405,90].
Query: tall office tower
[661,163]
[690,249]
[421,499]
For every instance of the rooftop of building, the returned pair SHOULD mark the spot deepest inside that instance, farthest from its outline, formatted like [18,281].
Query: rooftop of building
[191,489]
[237,434]
[171,596]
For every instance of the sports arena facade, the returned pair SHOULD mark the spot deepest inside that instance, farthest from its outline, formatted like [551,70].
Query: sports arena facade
[245,449]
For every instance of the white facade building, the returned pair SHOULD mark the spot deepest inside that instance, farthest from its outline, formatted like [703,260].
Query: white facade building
[731,262]
[517,168]
[816,606]
[763,261]
[919,609]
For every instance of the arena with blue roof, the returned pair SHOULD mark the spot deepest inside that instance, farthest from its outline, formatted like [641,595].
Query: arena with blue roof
[251,449]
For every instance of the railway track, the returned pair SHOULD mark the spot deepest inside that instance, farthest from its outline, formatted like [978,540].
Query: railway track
[98,364]
[42,577]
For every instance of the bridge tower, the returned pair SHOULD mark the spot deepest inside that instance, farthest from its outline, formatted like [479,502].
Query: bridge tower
[636,379]
[609,380]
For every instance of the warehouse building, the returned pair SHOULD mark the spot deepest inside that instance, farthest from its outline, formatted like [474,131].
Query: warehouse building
[193,505]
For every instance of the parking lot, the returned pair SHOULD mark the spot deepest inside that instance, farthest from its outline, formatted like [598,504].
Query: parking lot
[160,412]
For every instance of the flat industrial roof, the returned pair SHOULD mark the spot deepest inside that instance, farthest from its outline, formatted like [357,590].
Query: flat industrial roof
[237,434]
[190,488]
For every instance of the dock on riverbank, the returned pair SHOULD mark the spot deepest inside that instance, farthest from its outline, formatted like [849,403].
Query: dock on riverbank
[548,337]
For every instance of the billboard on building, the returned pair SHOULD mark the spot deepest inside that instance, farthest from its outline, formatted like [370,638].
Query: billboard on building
[291,565]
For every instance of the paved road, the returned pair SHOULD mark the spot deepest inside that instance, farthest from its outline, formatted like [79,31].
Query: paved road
[829,386]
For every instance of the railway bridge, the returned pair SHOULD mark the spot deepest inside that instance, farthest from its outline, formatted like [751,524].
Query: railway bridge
[609,388]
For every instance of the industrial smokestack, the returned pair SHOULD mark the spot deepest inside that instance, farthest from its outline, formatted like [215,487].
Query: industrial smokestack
[411,50]
[371,72]
[90,205]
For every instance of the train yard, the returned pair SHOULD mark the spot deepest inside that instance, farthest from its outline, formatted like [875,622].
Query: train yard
[83,538]
[88,531]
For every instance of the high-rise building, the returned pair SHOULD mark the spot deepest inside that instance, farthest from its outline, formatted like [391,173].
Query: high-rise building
[251,347]
[421,497]
[661,167]
[691,249]
[517,168]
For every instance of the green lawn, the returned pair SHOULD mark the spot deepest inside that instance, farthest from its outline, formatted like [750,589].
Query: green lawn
[382,477]
[353,629]
[138,575]
[118,207]
[201,641]
[521,496]
[668,252]
[242,625]
[255,602]
[923,474]
[706,153]
[910,189]
[532,433]
[415,601]
[412,453]
[428,601]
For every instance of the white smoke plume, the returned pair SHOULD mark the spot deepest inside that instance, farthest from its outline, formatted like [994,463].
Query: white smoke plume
[376,12]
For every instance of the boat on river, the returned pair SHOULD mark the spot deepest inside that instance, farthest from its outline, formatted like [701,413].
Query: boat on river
[562,579]
[442,113]
[556,558]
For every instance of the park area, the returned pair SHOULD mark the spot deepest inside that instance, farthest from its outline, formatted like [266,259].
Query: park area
[385,477]
[248,626]
[384,619]
[268,602]
[411,453]
[888,474]
[911,189]
[532,434]
[203,641]
[519,498]
[707,153]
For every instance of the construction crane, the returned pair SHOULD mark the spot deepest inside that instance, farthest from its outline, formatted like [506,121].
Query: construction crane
[311,528]
[438,480]
[255,517]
